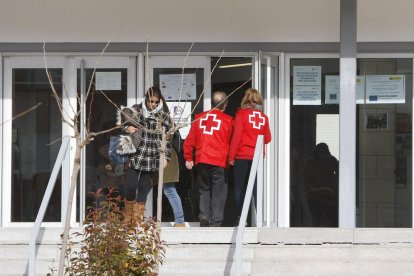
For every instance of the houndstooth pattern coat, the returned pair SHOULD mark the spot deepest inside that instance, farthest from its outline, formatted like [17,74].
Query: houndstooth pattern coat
[147,156]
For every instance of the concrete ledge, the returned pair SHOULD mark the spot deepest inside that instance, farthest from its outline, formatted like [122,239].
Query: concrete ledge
[213,235]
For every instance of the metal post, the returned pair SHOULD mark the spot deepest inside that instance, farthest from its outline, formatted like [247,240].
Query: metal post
[42,210]
[258,154]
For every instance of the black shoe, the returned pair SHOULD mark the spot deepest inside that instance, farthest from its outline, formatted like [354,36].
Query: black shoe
[204,222]
[219,224]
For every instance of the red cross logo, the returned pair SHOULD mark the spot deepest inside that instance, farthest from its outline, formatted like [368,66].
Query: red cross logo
[256,119]
[210,125]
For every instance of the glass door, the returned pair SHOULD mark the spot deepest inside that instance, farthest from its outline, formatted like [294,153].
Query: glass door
[103,90]
[31,138]
[185,84]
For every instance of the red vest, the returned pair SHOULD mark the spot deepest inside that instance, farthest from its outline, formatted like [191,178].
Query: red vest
[248,124]
[209,136]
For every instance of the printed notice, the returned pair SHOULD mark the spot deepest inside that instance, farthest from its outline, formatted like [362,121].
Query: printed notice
[178,86]
[181,113]
[388,89]
[306,95]
[307,75]
[108,80]
[307,85]
[332,88]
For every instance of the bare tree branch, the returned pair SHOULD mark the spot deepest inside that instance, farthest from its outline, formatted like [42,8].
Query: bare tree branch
[55,94]
[205,83]
[22,113]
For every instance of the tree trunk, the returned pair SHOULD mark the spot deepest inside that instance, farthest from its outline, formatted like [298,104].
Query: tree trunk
[73,182]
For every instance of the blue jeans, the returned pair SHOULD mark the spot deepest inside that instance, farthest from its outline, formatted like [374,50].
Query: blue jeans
[175,201]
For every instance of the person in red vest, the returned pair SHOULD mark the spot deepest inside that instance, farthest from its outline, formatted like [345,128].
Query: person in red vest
[209,137]
[250,122]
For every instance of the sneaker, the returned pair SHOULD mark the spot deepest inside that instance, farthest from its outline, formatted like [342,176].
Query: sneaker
[180,225]
[204,222]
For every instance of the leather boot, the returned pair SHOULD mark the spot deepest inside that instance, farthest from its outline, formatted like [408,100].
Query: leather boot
[138,212]
[128,210]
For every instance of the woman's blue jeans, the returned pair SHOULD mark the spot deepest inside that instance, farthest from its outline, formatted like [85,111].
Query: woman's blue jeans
[175,201]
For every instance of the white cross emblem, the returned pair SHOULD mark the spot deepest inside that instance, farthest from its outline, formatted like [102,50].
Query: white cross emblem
[209,126]
[256,119]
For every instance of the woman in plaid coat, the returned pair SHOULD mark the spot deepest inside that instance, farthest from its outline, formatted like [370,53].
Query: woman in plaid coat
[151,120]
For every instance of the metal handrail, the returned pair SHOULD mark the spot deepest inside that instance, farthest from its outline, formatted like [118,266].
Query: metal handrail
[258,155]
[45,202]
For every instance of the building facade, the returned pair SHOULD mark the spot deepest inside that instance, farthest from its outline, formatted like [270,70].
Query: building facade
[289,50]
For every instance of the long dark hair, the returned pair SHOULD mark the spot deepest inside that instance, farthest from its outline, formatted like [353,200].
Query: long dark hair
[154,91]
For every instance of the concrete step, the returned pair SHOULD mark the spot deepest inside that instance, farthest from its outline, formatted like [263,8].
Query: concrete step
[21,252]
[205,267]
[20,267]
[277,251]
[276,268]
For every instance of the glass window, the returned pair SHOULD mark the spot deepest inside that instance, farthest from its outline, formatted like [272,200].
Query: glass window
[101,115]
[384,148]
[314,142]
[33,149]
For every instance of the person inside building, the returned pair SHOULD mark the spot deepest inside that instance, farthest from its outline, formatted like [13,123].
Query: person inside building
[209,137]
[151,120]
[321,185]
[249,123]
[171,177]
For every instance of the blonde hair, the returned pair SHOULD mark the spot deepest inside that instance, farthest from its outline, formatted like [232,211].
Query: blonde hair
[252,96]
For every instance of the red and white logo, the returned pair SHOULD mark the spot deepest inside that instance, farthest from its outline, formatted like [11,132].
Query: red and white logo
[210,123]
[256,119]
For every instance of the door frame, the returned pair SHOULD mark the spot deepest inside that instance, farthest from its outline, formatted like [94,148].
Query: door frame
[69,63]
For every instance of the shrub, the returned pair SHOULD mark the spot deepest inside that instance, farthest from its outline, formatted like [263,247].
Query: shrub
[110,246]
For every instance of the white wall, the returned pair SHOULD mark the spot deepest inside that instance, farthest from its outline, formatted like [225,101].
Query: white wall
[169,20]
[199,21]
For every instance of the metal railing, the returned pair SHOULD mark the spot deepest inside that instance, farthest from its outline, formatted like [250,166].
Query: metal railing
[45,202]
[256,169]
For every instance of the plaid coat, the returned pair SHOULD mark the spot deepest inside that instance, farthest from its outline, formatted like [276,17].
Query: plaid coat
[147,156]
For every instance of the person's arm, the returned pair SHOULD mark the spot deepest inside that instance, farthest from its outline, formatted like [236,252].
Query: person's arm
[267,135]
[236,138]
[189,146]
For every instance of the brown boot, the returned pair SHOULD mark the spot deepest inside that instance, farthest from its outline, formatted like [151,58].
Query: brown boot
[138,213]
[129,209]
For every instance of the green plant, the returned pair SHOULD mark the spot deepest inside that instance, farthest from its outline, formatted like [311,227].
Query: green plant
[111,246]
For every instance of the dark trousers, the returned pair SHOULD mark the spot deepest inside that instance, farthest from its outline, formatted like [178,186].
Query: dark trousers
[241,177]
[139,184]
[324,209]
[213,192]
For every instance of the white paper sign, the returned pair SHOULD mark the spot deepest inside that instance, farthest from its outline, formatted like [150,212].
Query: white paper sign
[360,89]
[108,80]
[385,89]
[170,85]
[307,85]
[181,113]
[306,95]
[307,75]
[332,87]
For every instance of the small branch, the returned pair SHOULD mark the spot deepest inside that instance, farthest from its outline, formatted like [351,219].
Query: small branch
[235,90]
[55,94]
[22,113]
